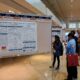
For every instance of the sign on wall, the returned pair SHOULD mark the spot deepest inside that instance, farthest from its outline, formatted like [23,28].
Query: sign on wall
[57,31]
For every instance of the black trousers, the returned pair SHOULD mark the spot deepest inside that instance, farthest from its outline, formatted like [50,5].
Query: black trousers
[58,61]
[72,72]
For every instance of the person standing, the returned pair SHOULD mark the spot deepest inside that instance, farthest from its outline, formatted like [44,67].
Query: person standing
[79,41]
[76,39]
[71,49]
[58,51]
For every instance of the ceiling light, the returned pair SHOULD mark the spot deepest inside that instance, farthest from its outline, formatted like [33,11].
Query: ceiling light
[10,11]
[72,1]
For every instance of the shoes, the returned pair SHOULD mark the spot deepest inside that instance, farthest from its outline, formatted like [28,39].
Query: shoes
[65,79]
[69,79]
[57,68]
[51,67]
[74,79]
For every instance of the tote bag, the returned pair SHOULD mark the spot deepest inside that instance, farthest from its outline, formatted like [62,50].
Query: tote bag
[72,60]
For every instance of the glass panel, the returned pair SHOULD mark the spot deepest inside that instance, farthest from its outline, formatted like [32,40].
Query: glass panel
[79,25]
[72,25]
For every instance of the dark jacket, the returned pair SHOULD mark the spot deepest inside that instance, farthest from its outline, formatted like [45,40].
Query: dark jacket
[58,47]
[77,48]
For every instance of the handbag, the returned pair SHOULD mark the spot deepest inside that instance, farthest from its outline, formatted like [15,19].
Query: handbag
[72,60]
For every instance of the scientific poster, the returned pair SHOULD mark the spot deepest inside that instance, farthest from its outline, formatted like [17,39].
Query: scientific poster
[56,32]
[18,36]
[3,35]
[29,37]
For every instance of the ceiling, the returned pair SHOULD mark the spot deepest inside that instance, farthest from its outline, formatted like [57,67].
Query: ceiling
[65,10]
[18,6]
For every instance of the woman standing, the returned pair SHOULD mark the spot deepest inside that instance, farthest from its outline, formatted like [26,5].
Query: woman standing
[58,51]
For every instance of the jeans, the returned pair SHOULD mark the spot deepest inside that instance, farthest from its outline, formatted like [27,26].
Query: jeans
[58,59]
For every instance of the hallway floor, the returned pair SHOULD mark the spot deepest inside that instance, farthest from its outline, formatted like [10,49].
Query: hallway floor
[34,67]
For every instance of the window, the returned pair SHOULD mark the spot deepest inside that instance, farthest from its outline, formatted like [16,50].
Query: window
[79,25]
[72,25]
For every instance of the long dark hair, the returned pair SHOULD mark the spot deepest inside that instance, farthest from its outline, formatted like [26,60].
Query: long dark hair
[57,39]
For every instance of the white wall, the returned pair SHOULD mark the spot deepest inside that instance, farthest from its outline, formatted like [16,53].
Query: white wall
[44,36]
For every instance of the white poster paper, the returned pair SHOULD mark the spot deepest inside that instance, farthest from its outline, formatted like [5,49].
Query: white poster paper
[30,37]
[18,36]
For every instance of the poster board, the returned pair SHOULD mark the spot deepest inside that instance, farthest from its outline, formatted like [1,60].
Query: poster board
[24,35]
[57,31]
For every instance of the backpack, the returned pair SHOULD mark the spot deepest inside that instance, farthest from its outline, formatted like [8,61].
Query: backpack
[61,49]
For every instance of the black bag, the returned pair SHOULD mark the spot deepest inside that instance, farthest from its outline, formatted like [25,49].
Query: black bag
[61,49]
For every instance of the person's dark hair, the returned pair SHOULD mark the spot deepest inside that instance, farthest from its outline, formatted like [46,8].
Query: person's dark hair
[73,32]
[57,37]
[71,35]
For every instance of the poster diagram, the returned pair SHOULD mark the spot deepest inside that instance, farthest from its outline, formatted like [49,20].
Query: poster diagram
[3,36]
[56,32]
[18,36]
[29,37]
